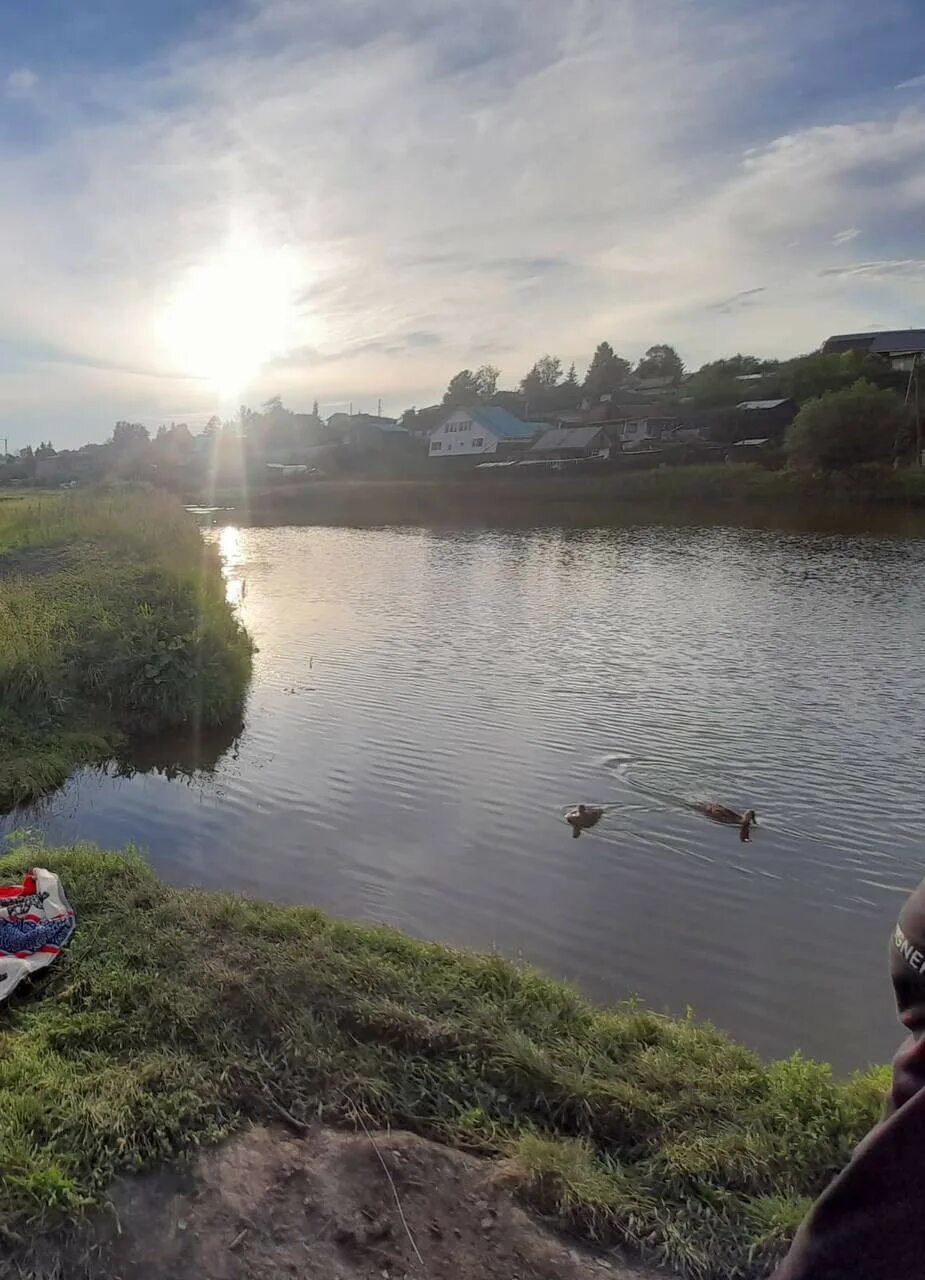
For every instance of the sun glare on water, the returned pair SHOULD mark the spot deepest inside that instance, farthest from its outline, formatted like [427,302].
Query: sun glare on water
[232,314]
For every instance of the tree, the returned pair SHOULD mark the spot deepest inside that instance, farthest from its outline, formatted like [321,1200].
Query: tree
[462,388]
[714,385]
[607,372]
[466,386]
[661,361]
[212,427]
[27,459]
[858,424]
[541,384]
[812,375]
[487,377]
[127,435]
[737,365]
[544,375]
[571,378]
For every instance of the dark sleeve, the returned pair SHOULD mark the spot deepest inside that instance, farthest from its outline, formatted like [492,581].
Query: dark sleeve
[869,1224]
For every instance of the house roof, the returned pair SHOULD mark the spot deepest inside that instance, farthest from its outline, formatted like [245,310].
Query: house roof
[566,438]
[363,420]
[883,343]
[762,404]
[749,444]
[501,423]
[387,425]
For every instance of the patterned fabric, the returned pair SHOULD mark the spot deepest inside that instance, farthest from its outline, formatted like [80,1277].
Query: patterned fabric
[30,935]
[36,921]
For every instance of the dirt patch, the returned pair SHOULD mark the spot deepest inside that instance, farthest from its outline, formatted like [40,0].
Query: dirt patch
[268,1205]
[36,562]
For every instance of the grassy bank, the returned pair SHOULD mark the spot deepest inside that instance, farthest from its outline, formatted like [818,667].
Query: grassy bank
[174,1016]
[680,493]
[112,620]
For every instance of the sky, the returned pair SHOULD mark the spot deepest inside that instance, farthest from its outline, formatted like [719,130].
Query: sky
[207,204]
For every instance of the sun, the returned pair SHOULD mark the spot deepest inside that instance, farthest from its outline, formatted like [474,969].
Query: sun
[231,314]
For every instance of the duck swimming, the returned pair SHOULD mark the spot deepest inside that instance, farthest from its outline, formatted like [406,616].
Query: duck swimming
[721,813]
[582,817]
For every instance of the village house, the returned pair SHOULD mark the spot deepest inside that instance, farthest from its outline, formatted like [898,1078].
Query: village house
[478,430]
[767,417]
[368,432]
[567,443]
[642,433]
[901,347]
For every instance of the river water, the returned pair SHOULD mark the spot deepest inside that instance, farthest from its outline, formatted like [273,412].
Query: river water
[425,703]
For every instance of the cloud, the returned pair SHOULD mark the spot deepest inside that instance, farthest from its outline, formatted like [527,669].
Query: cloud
[21,83]
[451,184]
[846,236]
[738,300]
[917,82]
[904,267]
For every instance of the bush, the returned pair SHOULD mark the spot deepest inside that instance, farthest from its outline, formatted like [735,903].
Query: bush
[113,619]
[848,428]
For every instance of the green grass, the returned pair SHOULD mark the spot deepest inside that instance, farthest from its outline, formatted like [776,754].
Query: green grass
[113,619]
[175,1016]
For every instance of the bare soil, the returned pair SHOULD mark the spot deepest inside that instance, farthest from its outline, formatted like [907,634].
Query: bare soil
[36,562]
[268,1205]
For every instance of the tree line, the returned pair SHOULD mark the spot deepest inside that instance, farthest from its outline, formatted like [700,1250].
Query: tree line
[545,387]
[856,391]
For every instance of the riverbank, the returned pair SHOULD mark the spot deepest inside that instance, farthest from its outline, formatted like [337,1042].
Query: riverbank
[744,494]
[113,620]
[326,1204]
[176,1017]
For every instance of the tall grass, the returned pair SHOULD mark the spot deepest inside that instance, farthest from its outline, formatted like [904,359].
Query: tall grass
[113,619]
[175,1016]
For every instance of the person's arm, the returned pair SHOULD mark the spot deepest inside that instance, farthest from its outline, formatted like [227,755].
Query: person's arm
[869,1224]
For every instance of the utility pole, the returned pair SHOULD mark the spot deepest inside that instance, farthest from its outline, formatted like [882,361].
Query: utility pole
[912,392]
[379,410]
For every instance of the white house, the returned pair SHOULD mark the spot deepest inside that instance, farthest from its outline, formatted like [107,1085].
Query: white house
[479,429]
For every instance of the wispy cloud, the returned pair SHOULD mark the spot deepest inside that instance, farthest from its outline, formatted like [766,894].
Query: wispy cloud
[738,300]
[883,270]
[917,82]
[450,184]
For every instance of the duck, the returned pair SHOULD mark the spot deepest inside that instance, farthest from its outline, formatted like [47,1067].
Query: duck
[582,817]
[722,813]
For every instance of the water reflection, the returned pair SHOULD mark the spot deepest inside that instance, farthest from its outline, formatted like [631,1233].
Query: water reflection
[426,703]
[231,549]
[181,754]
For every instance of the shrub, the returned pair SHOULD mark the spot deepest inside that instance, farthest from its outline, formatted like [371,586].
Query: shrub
[113,619]
[857,425]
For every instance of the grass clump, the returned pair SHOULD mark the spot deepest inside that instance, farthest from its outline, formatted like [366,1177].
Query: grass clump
[174,1016]
[113,620]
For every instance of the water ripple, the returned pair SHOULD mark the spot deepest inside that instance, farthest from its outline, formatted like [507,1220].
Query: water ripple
[427,704]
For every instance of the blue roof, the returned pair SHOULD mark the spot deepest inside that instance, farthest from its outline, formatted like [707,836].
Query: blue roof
[501,423]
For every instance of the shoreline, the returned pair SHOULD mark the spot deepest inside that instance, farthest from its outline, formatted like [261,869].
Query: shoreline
[114,622]
[743,494]
[175,1018]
